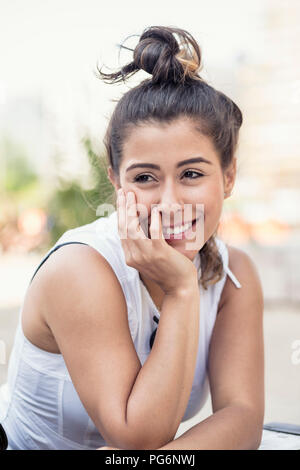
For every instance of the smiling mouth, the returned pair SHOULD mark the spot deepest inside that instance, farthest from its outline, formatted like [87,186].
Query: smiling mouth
[172,226]
[178,228]
[178,232]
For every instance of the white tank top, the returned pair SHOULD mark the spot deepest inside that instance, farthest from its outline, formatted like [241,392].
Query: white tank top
[39,405]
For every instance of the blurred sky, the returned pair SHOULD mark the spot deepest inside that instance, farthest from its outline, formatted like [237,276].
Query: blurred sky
[44,42]
[49,51]
[50,97]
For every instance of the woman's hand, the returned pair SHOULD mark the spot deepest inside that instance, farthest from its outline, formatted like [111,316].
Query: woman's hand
[153,257]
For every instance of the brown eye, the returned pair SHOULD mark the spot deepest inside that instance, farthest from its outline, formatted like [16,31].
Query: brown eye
[140,178]
[198,175]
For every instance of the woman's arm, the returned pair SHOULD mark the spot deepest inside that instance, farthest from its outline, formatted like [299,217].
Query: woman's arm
[161,391]
[231,428]
[236,367]
[133,407]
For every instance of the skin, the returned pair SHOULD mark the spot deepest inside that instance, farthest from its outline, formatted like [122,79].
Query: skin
[171,187]
[236,367]
[60,317]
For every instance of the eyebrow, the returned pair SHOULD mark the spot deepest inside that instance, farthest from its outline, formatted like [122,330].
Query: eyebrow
[179,164]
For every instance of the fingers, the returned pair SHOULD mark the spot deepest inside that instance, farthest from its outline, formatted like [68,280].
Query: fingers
[121,214]
[134,229]
[132,218]
[128,221]
[156,232]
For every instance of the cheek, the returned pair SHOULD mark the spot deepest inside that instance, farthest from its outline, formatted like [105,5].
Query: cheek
[143,201]
[213,205]
[143,205]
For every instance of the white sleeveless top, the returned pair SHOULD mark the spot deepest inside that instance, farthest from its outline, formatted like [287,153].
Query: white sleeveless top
[39,405]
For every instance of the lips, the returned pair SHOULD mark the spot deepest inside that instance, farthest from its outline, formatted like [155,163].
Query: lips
[177,225]
[179,237]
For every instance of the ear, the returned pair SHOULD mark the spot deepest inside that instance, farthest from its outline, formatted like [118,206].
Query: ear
[229,178]
[113,179]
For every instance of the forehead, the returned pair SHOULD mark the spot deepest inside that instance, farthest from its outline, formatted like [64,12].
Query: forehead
[167,143]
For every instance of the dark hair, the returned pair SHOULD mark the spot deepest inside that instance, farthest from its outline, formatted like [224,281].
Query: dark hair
[175,90]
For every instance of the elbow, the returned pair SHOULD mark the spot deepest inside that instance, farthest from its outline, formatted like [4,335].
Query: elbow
[140,433]
[259,428]
[135,442]
[134,431]
[134,437]
[251,422]
[256,432]
[257,439]
[144,444]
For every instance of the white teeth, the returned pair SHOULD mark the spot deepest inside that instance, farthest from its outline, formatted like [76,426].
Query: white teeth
[177,230]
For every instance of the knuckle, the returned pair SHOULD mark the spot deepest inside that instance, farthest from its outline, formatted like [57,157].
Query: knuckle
[129,260]
[132,230]
[133,259]
[147,259]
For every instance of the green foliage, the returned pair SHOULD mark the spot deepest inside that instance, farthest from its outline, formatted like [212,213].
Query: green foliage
[68,205]
[98,165]
[16,174]
[67,208]
[71,206]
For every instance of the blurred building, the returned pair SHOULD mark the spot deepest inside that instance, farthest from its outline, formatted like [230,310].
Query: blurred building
[262,216]
[263,77]
[269,95]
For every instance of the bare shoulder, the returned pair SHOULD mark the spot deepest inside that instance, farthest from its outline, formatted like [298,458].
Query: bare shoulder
[86,312]
[75,263]
[241,262]
[245,270]
[242,265]
[70,256]
[72,277]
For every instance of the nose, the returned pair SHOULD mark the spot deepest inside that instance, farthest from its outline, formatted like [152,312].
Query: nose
[170,204]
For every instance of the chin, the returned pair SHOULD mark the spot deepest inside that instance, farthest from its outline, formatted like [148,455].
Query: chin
[190,254]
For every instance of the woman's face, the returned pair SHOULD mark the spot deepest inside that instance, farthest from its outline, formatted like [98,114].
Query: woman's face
[173,184]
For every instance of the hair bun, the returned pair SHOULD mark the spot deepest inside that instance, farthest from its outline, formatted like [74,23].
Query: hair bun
[159,54]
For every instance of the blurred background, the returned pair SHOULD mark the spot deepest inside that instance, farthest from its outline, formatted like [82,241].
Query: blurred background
[54,112]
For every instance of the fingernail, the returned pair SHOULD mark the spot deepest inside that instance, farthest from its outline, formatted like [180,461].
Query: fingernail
[120,192]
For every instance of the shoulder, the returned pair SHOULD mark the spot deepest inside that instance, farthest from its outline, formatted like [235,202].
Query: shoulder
[242,265]
[71,259]
[245,270]
[75,273]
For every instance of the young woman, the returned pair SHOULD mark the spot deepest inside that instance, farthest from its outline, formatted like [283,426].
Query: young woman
[134,317]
